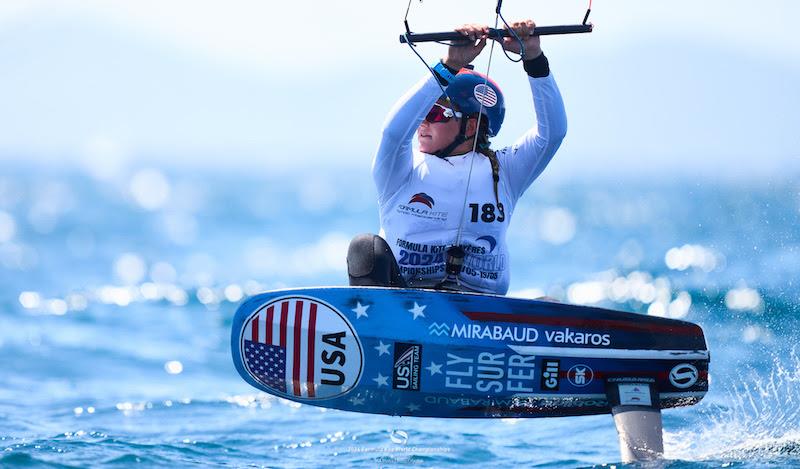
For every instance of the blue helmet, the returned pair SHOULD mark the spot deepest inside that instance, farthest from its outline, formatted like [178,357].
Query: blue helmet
[470,89]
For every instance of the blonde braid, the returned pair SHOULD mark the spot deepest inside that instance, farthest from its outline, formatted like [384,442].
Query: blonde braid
[483,148]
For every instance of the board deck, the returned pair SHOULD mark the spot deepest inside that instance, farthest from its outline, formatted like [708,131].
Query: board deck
[450,354]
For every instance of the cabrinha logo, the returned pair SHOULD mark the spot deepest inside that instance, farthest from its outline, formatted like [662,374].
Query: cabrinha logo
[423,199]
[301,348]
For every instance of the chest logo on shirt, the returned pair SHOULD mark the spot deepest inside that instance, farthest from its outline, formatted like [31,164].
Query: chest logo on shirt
[489,239]
[421,206]
[422,198]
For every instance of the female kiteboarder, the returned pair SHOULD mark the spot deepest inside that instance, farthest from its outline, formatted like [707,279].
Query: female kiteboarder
[445,206]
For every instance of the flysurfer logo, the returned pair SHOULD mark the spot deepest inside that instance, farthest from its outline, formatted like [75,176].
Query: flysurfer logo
[550,370]
[422,198]
[683,376]
[407,364]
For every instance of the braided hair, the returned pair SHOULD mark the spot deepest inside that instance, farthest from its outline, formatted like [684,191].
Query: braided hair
[484,149]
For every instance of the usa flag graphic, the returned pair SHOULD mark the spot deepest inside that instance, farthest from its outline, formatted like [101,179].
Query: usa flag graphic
[485,95]
[278,346]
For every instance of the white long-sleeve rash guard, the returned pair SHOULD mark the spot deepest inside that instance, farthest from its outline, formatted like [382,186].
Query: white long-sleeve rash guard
[421,196]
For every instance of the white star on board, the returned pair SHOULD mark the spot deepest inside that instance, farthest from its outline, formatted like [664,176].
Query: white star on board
[355,400]
[381,380]
[412,407]
[360,310]
[434,368]
[382,348]
[417,310]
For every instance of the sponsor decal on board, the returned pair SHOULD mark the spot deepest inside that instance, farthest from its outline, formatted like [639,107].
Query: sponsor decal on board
[580,375]
[407,363]
[301,347]
[525,334]
[683,376]
[477,331]
[519,404]
[489,372]
[550,370]
[634,394]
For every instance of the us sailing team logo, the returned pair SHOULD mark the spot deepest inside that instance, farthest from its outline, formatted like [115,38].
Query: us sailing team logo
[407,364]
[300,347]
[423,199]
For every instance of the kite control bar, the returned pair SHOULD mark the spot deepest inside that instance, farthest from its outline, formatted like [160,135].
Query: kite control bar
[495,33]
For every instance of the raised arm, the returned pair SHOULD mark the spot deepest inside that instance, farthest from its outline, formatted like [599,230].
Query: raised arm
[526,159]
[393,161]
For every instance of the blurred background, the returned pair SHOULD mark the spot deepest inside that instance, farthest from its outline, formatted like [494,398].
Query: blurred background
[163,160]
[111,86]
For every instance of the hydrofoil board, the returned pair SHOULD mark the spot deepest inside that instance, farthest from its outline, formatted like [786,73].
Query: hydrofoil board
[450,354]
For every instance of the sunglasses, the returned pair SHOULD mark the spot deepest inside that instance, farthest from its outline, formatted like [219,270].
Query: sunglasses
[439,113]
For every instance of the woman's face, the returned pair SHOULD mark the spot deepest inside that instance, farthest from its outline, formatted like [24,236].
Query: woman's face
[434,136]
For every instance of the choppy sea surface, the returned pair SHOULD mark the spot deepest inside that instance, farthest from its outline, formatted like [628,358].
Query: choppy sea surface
[117,294]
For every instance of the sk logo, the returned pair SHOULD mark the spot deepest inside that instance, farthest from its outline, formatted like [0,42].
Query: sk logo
[580,375]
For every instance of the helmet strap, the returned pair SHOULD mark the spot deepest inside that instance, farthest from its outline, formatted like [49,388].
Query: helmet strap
[460,138]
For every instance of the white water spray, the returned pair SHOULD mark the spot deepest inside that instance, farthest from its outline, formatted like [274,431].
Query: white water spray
[760,419]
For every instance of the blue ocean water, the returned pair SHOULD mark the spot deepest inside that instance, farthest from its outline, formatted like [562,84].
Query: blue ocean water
[117,295]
